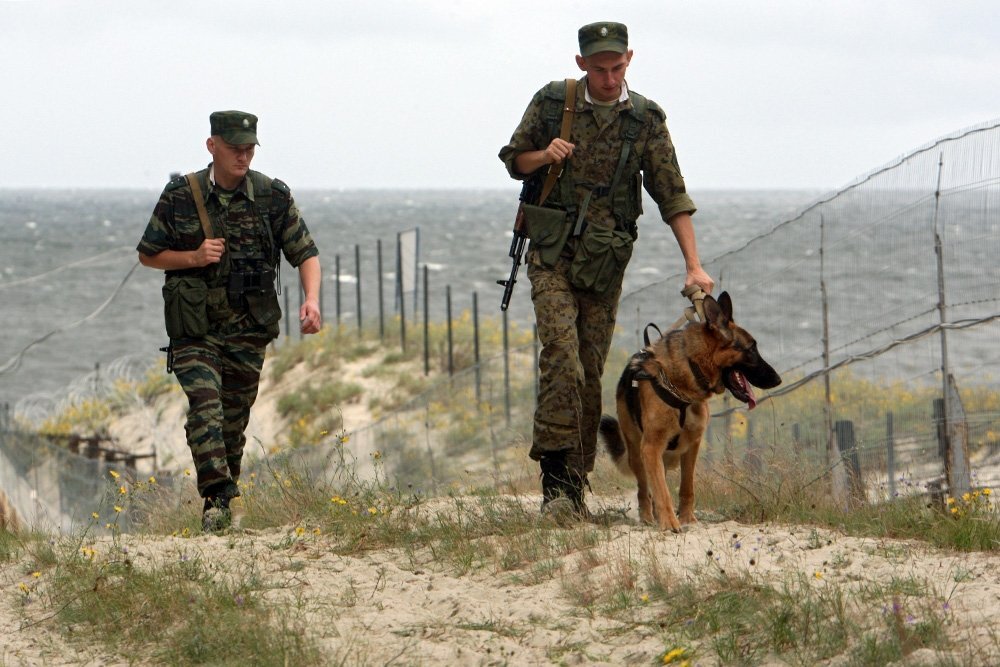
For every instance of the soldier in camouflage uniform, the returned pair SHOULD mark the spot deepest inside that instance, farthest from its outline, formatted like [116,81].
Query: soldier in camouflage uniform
[618,143]
[220,299]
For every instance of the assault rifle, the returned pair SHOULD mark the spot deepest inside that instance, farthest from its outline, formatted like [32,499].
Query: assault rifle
[529,194]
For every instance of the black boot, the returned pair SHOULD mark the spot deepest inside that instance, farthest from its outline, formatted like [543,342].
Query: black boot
[562,488]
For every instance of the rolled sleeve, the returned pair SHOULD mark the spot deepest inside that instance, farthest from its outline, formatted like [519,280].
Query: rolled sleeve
[662,173]
[296,242]
[529,136]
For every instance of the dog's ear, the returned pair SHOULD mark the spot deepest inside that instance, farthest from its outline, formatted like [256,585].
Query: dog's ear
[726,304]
[715,314]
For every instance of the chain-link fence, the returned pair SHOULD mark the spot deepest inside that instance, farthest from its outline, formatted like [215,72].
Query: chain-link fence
[871,303]
[866,302]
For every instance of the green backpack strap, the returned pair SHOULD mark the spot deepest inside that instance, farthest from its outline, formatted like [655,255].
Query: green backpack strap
[632,122]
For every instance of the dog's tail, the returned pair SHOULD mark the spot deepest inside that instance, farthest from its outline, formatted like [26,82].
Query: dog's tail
[614,442]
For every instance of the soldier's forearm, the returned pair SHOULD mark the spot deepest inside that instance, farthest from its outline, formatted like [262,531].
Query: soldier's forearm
[310,275]
[167,260]
[683,230]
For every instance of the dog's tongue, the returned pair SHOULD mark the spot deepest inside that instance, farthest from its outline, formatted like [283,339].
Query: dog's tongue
[752,400]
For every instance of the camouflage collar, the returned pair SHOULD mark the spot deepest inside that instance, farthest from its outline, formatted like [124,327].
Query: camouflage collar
[245,187]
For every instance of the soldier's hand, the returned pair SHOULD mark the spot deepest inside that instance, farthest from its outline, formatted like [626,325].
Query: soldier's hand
[558,151]
[210,252]
[310,320]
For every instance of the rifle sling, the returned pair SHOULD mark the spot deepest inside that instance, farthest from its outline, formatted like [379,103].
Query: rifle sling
[199,202]
[569,108]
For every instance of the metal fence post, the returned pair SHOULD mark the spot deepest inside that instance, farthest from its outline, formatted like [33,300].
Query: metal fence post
[451,356]
[381,298]
[427,328]
[475,346]
[890,453]
[506,368]
[846,443]
[336,268]
[357,289]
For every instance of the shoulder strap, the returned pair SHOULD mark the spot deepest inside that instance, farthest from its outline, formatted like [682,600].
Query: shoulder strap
[262,186]
[569,108]
[199,202]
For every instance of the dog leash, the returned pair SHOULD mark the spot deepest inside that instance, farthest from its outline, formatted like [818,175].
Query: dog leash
[696,311]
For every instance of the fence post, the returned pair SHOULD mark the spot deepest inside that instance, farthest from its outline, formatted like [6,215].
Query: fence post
[848,447]
[475,345]
[427,329]
[381,298]
[357,290]
[399,290]
[302,298]
[890,453]
[288,316]
[506,369]
[451,358]
[336,278]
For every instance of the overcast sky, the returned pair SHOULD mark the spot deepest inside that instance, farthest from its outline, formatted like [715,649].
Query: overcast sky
[776,94]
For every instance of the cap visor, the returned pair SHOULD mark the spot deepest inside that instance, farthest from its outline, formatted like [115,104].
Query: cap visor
[604,45]
[240,138]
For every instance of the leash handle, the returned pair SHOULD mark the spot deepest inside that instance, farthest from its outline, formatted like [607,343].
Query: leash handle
[697,297]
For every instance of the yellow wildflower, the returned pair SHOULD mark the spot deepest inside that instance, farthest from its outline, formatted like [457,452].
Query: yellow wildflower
[818,575]
[372,511]
[114,474]
[122,490]
[317,531]
[674,654]
[987,491]
[299,530]
[644,597]
[185,532]
[954,510]
[36,575]
[118,508]
[187,471]
[95,515]
[966,497]
[24,588]
[949,501]
[152,480]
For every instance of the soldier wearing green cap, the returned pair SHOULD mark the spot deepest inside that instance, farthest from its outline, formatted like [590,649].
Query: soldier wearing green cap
[218,234]
[581,241]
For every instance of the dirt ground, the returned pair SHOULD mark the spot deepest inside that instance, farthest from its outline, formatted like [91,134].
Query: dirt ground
[384,607]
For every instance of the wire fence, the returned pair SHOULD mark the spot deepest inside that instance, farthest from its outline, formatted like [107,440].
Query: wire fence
[877,304]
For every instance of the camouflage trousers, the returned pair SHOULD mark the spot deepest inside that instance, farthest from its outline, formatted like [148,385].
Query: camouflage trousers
[575,329]
[219,374]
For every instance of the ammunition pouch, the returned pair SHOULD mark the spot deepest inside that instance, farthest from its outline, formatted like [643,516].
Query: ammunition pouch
[253,292]
[548,229]
[185,307]
[600,259]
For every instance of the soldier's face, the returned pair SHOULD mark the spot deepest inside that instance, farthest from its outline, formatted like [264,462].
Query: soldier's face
[605,73]
[232,161]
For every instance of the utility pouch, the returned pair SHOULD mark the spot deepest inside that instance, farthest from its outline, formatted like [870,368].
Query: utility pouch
[600,259]
[548,229]
[264,309]
[217,305]
[185,300]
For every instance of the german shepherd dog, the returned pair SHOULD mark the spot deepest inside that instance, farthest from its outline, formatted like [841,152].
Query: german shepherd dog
[662,404]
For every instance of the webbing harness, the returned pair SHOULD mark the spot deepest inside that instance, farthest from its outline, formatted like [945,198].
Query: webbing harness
[660,383]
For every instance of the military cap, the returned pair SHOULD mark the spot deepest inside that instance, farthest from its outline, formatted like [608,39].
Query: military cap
[603,36]
[235,127]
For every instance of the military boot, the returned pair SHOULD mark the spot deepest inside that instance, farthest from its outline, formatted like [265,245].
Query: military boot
[216,515]
[562,489]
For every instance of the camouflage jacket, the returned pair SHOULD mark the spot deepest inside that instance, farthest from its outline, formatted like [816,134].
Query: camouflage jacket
[175,225]
[652,162]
